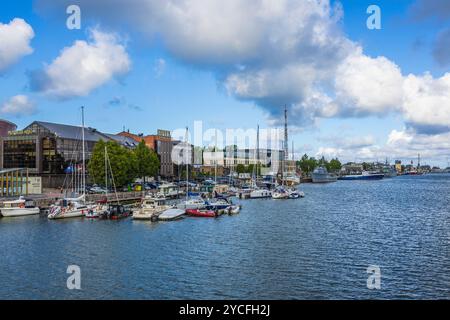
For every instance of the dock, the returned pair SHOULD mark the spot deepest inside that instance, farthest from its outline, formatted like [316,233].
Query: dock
[44,201]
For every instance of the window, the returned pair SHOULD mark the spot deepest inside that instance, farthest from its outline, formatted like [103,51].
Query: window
[19,153]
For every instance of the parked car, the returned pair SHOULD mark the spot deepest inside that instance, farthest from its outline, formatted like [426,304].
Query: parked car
[96,189]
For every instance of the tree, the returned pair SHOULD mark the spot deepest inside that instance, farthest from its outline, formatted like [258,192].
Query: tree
[307,164]
[334,165]
[123,164]
[147,162]
[240,168]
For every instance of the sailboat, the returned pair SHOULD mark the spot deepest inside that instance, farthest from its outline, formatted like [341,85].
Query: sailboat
[194,203]
[73,207]
[102,205]
[258,193]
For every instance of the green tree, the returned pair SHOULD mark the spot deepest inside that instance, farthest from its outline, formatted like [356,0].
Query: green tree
[240,168]
[147,162]
[307,164]
[334,165]
[123,163]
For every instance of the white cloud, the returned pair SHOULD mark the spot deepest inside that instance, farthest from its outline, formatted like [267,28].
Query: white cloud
[286,52]
[426,104]
[18,105]
[15,38]
[83,67]
[368,85]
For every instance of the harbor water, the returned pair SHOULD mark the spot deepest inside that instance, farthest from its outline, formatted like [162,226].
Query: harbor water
[318,247]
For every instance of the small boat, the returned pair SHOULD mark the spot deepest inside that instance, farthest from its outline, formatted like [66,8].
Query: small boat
[280,193]
[194,203]
[115,212]
[69,208]
[172,214]
[217,204]
[260,194]
[96,211]
[20,207]
[295,194]
[321,175]
[201,213]
[150,208]
[364,176]
[234,210]
[169,190]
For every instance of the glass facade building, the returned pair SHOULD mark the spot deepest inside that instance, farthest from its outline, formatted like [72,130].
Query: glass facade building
[50,148]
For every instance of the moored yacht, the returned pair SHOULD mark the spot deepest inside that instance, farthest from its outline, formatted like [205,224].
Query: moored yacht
[150,208]
[260,193]
[69,208]
[280,193]
[193,203]
[20,207]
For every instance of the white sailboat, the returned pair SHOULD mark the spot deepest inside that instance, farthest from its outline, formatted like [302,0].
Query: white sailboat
[257,192]
[73,207]
[189,203]
[20,207]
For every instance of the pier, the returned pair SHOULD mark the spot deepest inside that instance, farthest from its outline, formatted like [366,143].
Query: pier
[44,201]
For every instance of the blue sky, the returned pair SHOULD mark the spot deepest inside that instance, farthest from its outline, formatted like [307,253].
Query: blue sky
[166,88]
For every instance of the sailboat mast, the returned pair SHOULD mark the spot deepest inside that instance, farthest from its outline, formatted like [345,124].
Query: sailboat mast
[187,165]
[257,153]
[215,158]
[83,178]
[106,171]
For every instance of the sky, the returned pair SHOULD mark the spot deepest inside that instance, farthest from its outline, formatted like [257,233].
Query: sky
[355,93]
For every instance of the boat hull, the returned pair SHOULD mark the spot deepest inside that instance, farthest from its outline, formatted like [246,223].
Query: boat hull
[201,213]
[68,215]
[362,177]
[18,212]
[171,214]
[323,178]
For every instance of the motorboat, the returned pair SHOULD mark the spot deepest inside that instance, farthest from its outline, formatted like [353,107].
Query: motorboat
[19,207]
[169,190]
[69,208]
[193,203]
[260,193]
[201,213]
[116,212]
[233,209]
[295,194]
[280,193]
[172,214]
[217,204]
[96,211]
[150,208]
[321,175]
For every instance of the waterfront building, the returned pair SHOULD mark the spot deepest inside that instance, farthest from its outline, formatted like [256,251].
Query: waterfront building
[5,127]
[162,144]
[231,157]
[49,149]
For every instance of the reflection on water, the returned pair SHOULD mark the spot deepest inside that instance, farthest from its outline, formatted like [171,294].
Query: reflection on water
[316,247]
